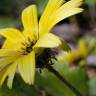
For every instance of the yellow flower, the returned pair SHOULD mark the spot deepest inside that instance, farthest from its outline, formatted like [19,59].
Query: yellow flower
[76,55]
[20,48]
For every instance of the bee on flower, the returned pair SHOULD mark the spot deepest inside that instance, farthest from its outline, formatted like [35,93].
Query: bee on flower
[21,48]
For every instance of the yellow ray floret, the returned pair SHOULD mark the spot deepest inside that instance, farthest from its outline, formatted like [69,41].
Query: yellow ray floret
[30,28]
[53,14]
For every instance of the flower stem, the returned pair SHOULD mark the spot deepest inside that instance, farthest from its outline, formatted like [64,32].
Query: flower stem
[58,75]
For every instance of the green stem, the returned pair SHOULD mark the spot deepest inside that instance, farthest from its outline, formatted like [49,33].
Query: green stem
[58,75]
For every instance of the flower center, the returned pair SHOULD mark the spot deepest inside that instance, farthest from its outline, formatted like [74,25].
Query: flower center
[28,46]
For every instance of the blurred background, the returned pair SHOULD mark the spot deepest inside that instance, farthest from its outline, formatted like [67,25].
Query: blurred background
[77,66]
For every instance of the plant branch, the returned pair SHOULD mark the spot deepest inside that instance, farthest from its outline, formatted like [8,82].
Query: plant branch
[58,75]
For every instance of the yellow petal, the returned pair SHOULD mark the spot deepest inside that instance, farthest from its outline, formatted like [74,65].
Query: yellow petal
[12,34]
[8,56]
[51,41]
[30,22]
[8,53]
[6,61]
[11,73]
[51,7]
[68,9]
[48,41]
[63,14]
[26,66]
[72,3]
[9,44]
[3,75]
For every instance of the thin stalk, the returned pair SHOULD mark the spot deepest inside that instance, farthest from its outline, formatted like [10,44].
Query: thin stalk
[61,78]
